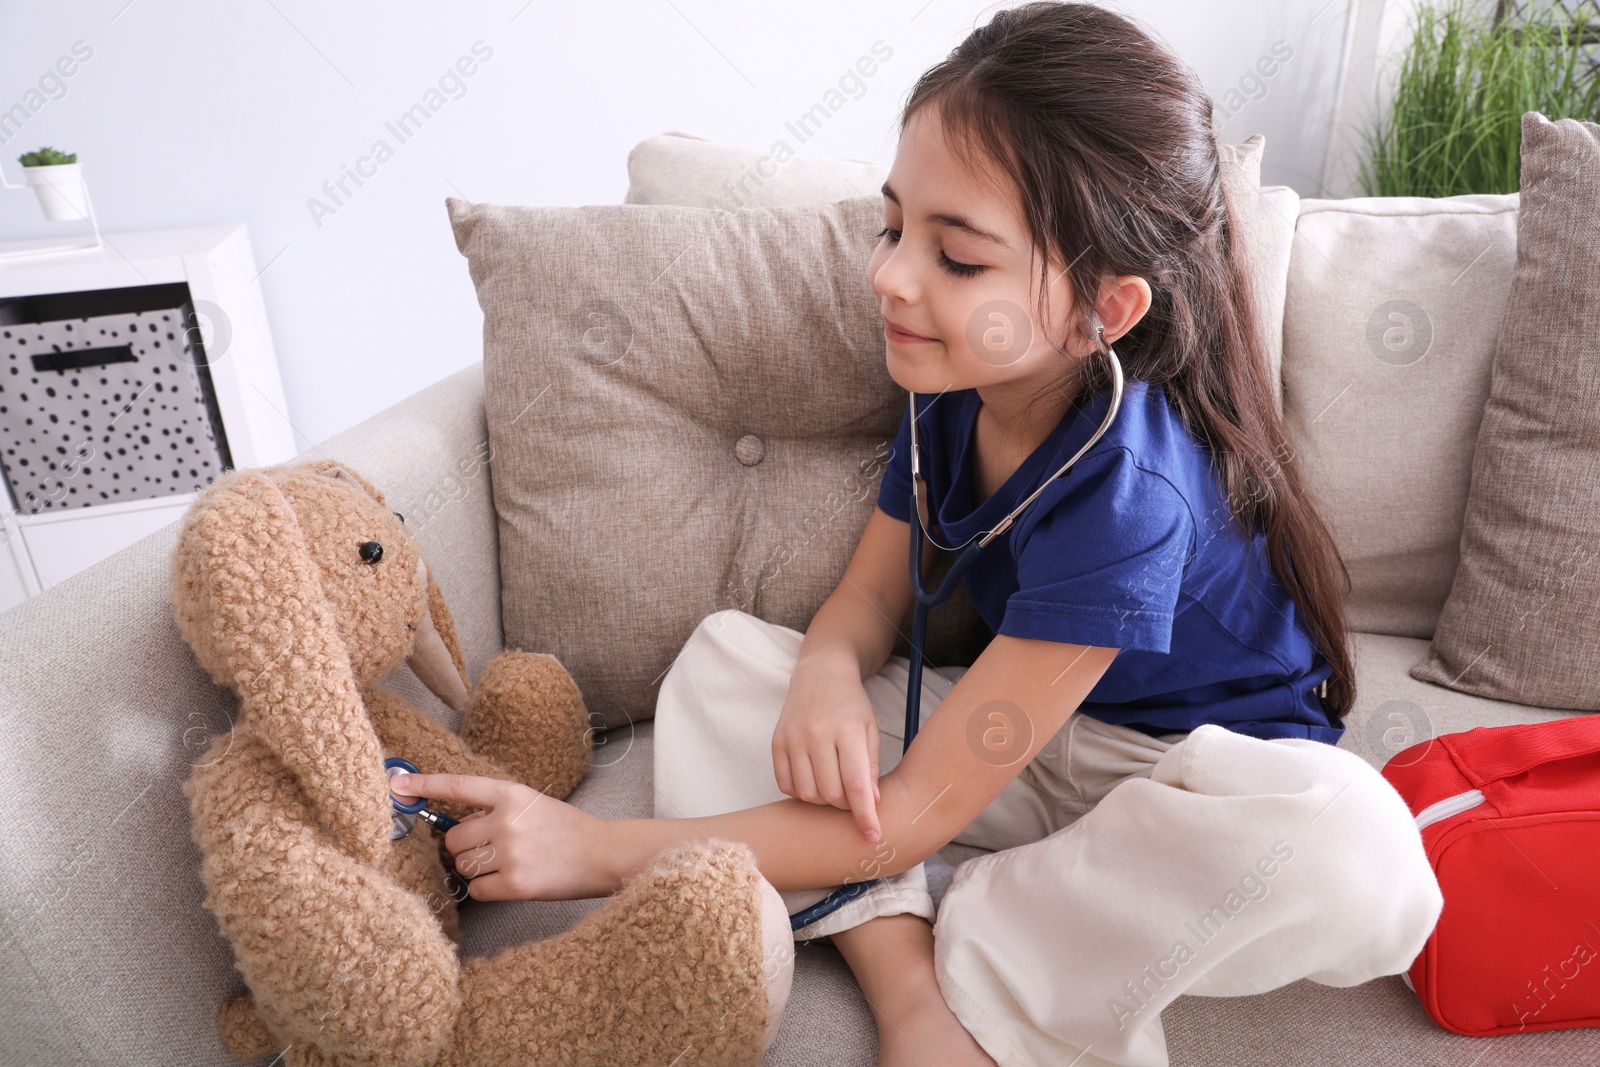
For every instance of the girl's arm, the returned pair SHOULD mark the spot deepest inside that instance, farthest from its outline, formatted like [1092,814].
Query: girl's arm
[826,742]
[859,621]
[1000,713]
[525,845]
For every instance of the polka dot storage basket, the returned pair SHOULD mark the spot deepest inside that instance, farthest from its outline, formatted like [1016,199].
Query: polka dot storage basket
[107,408]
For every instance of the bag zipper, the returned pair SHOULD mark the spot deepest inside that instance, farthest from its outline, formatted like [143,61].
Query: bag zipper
[1443,809]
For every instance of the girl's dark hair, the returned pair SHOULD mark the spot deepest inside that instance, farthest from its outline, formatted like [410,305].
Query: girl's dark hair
[1107,136]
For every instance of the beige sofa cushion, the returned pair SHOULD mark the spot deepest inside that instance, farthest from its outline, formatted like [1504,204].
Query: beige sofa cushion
[1520,623]
[1388,340]
[692,171]
[1265,218]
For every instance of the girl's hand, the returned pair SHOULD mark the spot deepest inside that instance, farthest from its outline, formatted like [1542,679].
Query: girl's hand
[524,845]
[825,746]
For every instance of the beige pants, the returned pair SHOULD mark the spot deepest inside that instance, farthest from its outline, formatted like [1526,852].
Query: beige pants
[1130,869]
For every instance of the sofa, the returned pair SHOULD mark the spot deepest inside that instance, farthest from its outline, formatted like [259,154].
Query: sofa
[106,954]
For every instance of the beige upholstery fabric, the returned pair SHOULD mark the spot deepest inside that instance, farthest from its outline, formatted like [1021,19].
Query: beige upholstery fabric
[691,171]
[1265,218]
[1388,339]
[1395,711]
[1520,623]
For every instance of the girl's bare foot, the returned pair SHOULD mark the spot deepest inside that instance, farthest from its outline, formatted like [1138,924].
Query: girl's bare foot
[892,957]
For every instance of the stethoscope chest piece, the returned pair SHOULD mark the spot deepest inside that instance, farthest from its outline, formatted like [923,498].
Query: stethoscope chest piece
[400,825]
[404,816]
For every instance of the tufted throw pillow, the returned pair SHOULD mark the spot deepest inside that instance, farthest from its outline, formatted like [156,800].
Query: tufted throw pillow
[687,410]
[1520,623]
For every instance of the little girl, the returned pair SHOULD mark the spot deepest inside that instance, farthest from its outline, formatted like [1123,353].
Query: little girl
[1193,828]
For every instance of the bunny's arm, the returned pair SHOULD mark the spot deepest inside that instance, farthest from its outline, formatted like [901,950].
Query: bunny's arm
[528,715]
[405,731]
[525,721]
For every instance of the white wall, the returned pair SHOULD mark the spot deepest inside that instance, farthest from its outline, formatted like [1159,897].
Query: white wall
[189,113]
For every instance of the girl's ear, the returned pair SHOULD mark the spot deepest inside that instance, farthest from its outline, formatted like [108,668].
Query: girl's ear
[1124,302]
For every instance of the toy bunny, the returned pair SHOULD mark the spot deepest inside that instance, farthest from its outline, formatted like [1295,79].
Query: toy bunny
[299,589]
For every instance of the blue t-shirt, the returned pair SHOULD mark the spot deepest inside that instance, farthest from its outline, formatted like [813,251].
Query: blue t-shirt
[1133,548]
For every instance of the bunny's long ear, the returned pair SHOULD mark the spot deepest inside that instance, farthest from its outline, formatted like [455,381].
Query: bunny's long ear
[332,468]
[277,630]
[436,657]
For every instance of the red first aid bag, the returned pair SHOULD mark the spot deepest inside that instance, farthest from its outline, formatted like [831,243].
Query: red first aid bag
[1510,818]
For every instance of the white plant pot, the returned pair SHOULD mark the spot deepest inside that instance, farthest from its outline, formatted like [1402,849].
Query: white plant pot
[60,189]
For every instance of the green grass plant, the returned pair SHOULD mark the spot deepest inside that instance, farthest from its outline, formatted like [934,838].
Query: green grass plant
[1454,124]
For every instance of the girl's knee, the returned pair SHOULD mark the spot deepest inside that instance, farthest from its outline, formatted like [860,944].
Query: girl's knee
[1379,865]
[714,638]
[723,630]
[715,624]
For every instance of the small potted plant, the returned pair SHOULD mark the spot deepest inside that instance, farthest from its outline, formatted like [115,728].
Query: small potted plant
[57,180]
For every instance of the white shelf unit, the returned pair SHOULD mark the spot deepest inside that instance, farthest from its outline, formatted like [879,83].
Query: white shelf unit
[218,267]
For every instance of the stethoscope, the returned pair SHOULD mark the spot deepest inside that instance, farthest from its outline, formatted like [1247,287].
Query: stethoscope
[405,816]
[925,601]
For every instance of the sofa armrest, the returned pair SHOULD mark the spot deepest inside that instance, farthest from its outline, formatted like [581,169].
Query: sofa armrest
[106,953]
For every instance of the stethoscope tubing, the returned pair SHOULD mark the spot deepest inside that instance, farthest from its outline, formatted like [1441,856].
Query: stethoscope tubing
[926,601]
